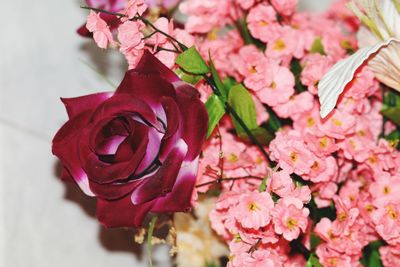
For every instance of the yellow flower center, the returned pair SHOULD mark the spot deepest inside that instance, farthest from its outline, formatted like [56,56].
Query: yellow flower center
[273,85]
[337,122]
[391,212]
[233,157]
[263,23]
[342,216]
[279,45]
[310,122]
[294,156]
[253,206]
[323,142]
[386,190]
[369,208]
[291,223]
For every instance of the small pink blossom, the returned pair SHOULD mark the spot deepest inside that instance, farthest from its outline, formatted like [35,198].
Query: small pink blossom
[101,32]
[387,222]
[390,255]
[253,210]
[262,22]
[297,104]
[130,36]
[284,7]
[314,67]
[280,89]
[134,7]
[292,153]
[338,125]
[290,218]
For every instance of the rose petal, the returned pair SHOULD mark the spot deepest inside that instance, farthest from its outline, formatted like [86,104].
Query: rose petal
[77,105]
[194,119]
[122,105]
[121,212]
[150,64]
[132,150]
[173,118]
[163,180]
[180,197]
[65,147]
[335,80]
[115,190]
[149,88]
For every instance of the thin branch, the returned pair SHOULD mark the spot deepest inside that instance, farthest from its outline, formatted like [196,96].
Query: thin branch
[230,179]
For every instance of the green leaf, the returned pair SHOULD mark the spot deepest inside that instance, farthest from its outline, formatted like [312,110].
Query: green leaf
[149,239]
[314,241]
[273,123]
[263,185]
[317,46]
[187,77]
[210,264]
[192,62]
[313,261]
[215,110]
[296,69]
[263,136]
[392,113]
[242,102]
[221,87]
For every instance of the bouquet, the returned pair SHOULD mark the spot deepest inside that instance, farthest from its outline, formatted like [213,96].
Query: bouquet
[245,133]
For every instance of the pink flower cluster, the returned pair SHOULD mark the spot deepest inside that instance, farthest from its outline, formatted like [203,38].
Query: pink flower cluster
[340,158]
[339,163]
[133,37]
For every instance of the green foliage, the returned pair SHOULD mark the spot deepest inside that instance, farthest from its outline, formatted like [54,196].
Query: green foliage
[317,46]
[192,62]
[313,261]
[149,239]
[263,185]
[242,102]
[371,256]
[296,69]
[220,86]
[187,77]
[391,106]
[215,110]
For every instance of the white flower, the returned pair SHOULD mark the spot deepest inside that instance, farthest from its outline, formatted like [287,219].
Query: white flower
[379,42]
[196,242]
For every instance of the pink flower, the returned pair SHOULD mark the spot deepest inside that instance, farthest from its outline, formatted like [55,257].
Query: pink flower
[323,170]
[134,7]
[329,257]
[385,189]
[291,153]
[101,32]
[130,36]
[387,222]
[314,67]
[282,184]
[262,22]
[253,66]
[390,255]
[296,105]
[345,217]
[323,193]
[253,210]
[262,258]
[338,125]
[284,7]
[280,89]
[290,218]
[284,45]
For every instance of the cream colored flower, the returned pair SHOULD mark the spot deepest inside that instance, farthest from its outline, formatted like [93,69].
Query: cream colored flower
[195,240]
[379,42]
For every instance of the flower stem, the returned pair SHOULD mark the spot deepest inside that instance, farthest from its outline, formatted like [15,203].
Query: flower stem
[230,179]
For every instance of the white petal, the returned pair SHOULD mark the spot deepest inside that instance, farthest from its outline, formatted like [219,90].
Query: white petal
[391,16]
[335,80]
[386,65]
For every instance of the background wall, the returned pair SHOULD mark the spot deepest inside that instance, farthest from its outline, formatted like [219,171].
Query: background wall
[44,222]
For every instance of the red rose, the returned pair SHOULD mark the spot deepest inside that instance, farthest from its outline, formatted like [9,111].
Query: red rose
[137,149]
